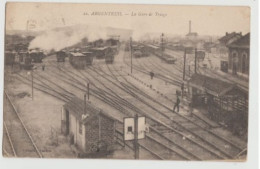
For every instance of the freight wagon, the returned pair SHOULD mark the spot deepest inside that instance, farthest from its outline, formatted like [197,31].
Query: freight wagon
[89,57]
[109,56]
[10,57]
[61,55]
[81,60]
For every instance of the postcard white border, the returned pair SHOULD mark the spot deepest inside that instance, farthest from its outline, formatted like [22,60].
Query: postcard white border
[253,147]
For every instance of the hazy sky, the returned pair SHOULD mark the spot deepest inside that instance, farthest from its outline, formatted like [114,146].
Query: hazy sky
[206,20]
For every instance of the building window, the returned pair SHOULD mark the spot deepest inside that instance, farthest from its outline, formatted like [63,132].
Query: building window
[80,127]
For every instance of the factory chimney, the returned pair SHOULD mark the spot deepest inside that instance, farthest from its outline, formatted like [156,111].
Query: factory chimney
[189,26]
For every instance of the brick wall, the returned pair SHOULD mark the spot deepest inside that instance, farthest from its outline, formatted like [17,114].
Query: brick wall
[94,134]
[91,133]
[107,130]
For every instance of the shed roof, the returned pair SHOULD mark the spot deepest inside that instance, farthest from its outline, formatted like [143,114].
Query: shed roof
[76,106]
[211,85]
[100,48]
[77,54]
[243,42]
[152,46]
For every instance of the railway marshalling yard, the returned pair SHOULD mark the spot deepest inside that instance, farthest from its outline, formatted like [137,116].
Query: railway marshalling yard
[113,88]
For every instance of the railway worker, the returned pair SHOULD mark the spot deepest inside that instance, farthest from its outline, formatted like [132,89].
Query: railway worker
[152,75]
[177,103]
[43,67]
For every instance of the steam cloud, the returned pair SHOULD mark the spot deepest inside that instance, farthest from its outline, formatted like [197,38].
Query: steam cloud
[60,38]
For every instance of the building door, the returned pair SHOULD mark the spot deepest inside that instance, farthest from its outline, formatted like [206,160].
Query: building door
[67,122]
[243,63]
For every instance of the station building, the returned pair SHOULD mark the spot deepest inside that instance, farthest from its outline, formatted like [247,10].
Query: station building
[91,130]
[227,40]
[239,56]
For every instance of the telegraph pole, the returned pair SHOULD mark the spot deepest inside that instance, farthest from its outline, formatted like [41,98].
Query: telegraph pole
[32,83]
[88,90]
[136,145]
[131,51]
[162,44]
[195,60]
[189,70]
[85,104]
[184,64]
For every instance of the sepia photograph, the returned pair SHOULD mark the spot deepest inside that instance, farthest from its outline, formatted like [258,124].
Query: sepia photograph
[126,81]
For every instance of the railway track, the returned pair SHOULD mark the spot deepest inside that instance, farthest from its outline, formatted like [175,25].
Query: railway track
[116,103]
[19,138]
[120,101]
[221,139]
[158,75]
[170,128]
[143,146]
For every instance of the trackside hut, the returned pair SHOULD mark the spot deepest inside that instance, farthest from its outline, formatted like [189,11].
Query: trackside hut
[87,126]
[224,101]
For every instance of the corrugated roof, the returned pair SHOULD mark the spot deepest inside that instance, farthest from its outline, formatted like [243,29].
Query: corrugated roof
[211,85]
[77,54]
[243,42]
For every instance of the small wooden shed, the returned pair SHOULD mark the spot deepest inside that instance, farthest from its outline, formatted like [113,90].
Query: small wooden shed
[225,102]
[89,128]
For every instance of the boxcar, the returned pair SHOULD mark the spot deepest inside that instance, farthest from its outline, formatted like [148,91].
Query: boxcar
[99,52]
[109,55]
[9,57]
[61,55]
[77,60]
[88,57]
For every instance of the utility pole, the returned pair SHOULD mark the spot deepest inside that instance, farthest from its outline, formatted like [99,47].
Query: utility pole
[88,90]
[32,83]
[195,60]
[85,104]
[136,145]
[131,51]
[184,64]
[189,70]
[162,44]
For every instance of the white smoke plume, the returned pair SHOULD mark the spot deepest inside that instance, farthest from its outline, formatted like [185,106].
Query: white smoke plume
[62,37]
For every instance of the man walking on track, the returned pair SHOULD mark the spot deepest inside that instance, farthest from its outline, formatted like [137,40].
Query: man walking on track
[177,104]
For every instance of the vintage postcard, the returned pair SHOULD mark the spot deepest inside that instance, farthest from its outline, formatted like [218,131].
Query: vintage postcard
[124,81]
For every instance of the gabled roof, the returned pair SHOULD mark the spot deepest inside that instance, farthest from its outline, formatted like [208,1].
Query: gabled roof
[76,107]
[243,42]
[211,85]
[225,39]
